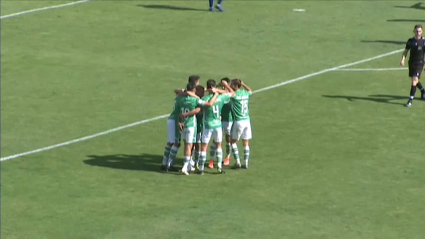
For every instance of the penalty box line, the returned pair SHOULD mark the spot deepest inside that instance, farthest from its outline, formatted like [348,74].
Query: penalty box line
[165,116]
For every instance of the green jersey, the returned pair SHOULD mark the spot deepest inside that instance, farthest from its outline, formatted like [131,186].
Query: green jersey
[175,113]
[226,112]
[199,122]
[186,104]
[240,105]
[212,114]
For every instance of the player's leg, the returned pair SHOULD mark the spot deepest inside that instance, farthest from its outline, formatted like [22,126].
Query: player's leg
[219,7]
[174,148]
[206,137]
[419,85]
[236,134]
[167,150]
[213,149]
[173,154]
[246,136]
[218,138]
[414,72]
[227,128]
[188,139]
[195,152]
[412,90]
[212,5]
[171,132]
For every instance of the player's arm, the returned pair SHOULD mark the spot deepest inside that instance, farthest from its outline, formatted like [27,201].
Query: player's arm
[211,101]
[406,50]
[180,92]
[230,90]
[191,113]
[246,87]
[192,94]
[403,57]
[221,91]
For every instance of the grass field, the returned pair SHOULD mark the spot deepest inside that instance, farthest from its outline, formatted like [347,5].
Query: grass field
[335,155]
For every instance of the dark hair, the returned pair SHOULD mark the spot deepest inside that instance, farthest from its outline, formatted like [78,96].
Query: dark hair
[418,26]
[193,79]
[200,87]
[211,84]
[226,79]
[236,82]
[190,86]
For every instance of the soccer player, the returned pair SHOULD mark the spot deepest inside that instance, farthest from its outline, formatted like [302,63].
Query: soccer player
[226,122]
[200,91]
[212,126]
[218,6]
[173,140]
[241,121]
[416,45]
[188,104]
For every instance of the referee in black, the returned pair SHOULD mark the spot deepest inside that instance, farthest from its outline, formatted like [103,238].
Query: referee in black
[416,45]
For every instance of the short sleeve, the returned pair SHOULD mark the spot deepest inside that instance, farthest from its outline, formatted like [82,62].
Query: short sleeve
[408,44]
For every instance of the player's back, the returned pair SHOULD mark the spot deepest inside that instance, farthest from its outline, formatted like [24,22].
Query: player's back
[240,105]
[212,115]
[185,105]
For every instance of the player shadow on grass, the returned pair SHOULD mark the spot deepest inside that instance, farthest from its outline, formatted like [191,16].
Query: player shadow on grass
[386,42]
[168,7]
[145,162]
[405,20]
[376,98]
[414,6]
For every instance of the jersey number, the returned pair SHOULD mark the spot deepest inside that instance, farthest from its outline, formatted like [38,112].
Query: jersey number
[244,104]
[216,110]
[184,111]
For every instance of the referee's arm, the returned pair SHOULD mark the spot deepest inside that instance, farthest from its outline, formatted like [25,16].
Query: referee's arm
[403,57]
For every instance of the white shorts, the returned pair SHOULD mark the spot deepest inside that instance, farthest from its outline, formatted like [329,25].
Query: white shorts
[198,137]
[241,129]
[216,134]
[227,127]
[173,132]
[189,135]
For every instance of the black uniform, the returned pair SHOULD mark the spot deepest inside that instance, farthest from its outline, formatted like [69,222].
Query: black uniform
[417,54]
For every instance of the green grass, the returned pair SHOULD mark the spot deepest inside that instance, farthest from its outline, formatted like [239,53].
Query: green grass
[333,156]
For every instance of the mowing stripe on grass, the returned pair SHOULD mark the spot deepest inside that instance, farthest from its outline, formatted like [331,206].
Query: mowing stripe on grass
[42,9]
[164,116]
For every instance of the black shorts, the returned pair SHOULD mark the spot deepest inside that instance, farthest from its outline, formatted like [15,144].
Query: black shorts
[415,69]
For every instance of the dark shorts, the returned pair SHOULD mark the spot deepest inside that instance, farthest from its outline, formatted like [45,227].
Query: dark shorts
[415,69]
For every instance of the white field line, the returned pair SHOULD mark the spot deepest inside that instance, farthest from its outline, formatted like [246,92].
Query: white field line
[42,9]
[164,116]
[328,70]
[374,69]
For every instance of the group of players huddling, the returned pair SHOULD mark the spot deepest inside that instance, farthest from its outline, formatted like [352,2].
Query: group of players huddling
[202,114]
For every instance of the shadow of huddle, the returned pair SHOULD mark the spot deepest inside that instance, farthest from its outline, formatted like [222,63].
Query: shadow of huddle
[144,162]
